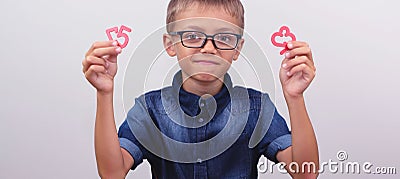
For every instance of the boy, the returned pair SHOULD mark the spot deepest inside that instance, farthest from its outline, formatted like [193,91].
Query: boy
[201,102]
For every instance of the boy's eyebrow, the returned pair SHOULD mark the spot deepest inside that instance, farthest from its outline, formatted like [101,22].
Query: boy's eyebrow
[223,29]
[194,28]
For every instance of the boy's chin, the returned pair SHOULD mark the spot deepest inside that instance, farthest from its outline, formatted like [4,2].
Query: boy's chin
[205,77]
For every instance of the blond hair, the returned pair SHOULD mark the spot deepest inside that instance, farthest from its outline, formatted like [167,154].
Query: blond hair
[232,7]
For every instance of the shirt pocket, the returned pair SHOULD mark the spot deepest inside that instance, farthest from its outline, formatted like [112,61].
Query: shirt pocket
[234,162]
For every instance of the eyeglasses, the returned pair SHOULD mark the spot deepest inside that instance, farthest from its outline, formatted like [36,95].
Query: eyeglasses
[196,39]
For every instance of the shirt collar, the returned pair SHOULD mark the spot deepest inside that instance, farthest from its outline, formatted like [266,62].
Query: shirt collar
[189,102]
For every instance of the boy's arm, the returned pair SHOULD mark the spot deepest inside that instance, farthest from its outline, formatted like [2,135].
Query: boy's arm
[112,160]
[296,74]
[304,149]
[100,68]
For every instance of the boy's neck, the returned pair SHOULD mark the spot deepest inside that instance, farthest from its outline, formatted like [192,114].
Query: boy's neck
[201,88]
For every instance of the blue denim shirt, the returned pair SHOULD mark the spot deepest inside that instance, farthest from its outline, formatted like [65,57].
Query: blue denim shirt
[160,119]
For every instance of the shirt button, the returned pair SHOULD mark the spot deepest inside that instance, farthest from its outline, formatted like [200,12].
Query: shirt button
[201,120]
[201,104]
[199,160]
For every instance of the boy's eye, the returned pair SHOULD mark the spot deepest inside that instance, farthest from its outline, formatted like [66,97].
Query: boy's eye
[191,36]
[225,38]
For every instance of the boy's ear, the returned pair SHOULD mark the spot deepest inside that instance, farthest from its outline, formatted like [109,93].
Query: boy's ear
[238,49]
[168,45]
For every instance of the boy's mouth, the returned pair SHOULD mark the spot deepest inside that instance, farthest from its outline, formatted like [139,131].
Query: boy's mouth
[206,62]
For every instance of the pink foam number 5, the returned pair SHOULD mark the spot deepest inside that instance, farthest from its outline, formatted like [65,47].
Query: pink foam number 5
[120,33]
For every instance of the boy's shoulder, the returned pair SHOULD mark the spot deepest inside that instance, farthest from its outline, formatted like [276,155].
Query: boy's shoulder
[242,100]
[235,89]
[237,92]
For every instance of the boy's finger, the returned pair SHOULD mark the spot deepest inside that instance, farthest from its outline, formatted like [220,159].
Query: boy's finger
[285,60]
[92,60]
[289,64]
[308,73]
[102,44]
[296,44]
[301,51]
[299,44]
[94,70]
[97,69]
[110,51]
[296,69]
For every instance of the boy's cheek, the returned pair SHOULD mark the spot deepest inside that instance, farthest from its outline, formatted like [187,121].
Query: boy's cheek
[230,56]
[183,52]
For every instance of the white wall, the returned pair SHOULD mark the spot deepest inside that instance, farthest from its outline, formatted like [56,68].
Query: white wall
[47,110]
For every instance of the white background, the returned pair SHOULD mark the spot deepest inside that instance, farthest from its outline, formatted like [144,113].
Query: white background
[48,108]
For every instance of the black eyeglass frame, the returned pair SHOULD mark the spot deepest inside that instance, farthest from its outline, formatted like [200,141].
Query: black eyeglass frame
[180,33]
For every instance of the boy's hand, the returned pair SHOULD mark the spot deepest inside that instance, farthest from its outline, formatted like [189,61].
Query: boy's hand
[100,65]
[297,70]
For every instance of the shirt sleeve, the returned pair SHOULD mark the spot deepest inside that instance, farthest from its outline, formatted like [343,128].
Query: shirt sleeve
[127,139]
[278,137]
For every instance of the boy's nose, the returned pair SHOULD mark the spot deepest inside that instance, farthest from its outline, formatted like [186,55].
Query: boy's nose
[209,47]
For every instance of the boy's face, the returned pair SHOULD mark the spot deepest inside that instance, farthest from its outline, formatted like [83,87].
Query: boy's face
[207,63]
